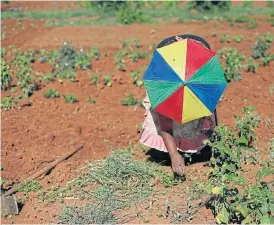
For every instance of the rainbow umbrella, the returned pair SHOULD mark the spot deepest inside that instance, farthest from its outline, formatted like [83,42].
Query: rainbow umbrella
[184,81]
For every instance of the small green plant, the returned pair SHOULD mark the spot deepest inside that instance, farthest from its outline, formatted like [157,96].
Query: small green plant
[238,38]
[95,53]
[214,34]
[82,61]
[93,78]
[252,24]
[51,93]
[70,98]
[6,75]
[251,66]
[46,78]
[248,3]
[90,100]
[224,38]
[119,60]
[129,101]
[242,19]
[136,55]
[3,52]
[6,103]
[267,59]
[233,63]
[136,78]
[107,80]
[270,3]
[260,48]
[67,74]
[30,186]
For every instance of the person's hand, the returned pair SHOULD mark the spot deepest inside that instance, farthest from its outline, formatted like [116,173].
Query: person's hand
[178,163]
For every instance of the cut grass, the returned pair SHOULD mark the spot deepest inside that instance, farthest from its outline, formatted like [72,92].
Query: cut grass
[120,181]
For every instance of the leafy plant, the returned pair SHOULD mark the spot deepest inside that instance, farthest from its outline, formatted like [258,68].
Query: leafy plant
[46,78]
[251,66]
[51,93]
[107,80]
[238,38]
[93,78]
[82,61]
[119,59]
[267,59]
[248,3]
[242,19]
[252,24]
[136,78]
[70,98]
[233,63]
[136,55]
[129,101]
[260,48]
[6,75]
[6,103]
[95,53]
[3,52]
[224,38]
[67,74]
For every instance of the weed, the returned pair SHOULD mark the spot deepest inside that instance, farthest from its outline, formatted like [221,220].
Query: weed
[47,78]
[51,93]
[129,101]
[135,56]
[82,61]
[90,100]
[261,45]
[242,19]
[251,66]
[93,78]
[252,24]
[6,75]
[108,80]
[233,62]
[238,38]
[6,103]
[136,78]
[267,59]
[29,186]
[224,38]
[95,53]
[70,98]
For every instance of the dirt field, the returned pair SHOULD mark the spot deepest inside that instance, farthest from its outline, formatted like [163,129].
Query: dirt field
[36,135]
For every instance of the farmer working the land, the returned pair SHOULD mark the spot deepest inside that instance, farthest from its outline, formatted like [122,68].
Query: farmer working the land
[184,82]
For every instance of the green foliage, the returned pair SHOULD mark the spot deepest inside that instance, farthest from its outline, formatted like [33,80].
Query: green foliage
[66,74]
[233,63]
[51,93]
[224,38]
[29,186]
[238,38]
[233,199]
[82,61]
[136,55]
[129,101]
[251,66]
[248,3]
[93,78]
[270,3]
[267,59]
[47,78]
[107,80]
[131,12]
[242,19]
[95,53]
[105,6]
[70,98]
[6,103]
[252,24]
[136,78]
[261,46]
[209,5]
[119,60]
[6,75]
[3,52]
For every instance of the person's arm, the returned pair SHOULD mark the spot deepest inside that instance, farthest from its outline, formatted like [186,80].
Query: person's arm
[166,133]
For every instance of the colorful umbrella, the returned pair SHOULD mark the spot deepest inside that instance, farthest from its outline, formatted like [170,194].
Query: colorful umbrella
[184,81]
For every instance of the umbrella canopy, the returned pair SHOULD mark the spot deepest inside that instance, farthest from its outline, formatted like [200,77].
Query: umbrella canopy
[184,81]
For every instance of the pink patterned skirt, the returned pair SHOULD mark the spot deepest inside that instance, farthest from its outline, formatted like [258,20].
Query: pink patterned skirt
[189,137]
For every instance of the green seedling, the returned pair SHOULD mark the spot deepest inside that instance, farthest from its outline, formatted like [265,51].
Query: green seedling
[224,38]
[135,56]
[238,38]
[95,53]
[70,98]
[129,101]
[93,78]
[51,93]
[91,101]
[251,66]
[108,80]
[6,75]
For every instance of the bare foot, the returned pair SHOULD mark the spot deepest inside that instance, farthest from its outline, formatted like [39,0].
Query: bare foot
[178,163]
